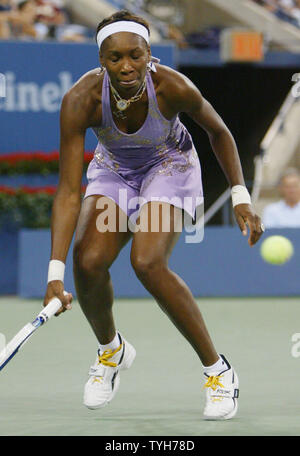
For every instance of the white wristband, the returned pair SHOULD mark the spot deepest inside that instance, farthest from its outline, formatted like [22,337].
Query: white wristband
[240,195]
[56,270]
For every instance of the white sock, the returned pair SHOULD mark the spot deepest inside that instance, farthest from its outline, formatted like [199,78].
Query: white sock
[216,368]
[113,345]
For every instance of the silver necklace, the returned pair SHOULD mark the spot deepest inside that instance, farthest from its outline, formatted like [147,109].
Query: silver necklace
[121,103]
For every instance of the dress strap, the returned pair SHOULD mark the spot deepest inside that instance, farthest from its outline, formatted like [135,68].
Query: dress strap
[150,87]
[151,65]
[105,99]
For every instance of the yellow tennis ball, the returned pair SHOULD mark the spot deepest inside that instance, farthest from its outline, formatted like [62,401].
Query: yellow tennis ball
[276,249]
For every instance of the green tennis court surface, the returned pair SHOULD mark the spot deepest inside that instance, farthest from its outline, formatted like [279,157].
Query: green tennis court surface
[162,394]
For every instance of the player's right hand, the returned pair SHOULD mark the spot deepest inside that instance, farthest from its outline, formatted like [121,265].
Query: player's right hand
[55,289]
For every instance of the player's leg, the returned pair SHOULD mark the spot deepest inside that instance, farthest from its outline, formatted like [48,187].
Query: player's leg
[93,254]
[94,251]
[149,256]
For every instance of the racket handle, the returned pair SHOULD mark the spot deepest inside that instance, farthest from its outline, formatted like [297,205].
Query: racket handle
[51,309]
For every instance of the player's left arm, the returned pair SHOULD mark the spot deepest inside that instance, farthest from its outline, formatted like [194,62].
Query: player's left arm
[224,147]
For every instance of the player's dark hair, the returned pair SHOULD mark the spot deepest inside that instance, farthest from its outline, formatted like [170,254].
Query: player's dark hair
[123,15]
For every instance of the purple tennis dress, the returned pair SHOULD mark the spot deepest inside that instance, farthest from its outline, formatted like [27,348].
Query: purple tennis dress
[157,162]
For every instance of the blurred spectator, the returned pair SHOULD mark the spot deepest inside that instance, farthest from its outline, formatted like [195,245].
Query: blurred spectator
[18,20]
[73,32]
[49,19]
[5,8]
[53,14]
[50,13]
[175,34]
[22,21]
[287,10]
[271,5]
[208,38]
[286,212]
[296,12]
[286,5]
[168,29]
[5,5]
[39,19]
[169,24]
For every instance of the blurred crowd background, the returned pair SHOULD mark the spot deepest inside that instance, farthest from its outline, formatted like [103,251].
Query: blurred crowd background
[287,10]
[39,20]
[56,20]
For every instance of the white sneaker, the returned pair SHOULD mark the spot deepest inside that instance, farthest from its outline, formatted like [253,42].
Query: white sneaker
[221,395]
[104,375]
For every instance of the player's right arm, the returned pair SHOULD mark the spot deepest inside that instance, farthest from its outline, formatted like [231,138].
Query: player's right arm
[80,109]
[67,201]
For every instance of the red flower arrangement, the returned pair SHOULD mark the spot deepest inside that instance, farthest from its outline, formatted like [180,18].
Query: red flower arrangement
[28,206]
[50,190]
[34,162]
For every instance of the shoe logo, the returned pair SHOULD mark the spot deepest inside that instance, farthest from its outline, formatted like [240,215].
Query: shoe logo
[217,399]
[97,379]
[236,393]
[222,391]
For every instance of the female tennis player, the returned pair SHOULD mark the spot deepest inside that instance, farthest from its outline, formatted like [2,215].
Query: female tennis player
[145,153]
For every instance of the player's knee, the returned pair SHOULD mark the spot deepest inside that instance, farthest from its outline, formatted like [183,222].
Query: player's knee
[89,262]
[147,267]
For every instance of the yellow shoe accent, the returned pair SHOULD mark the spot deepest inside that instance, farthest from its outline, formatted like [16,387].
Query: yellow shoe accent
[104,375]
[213,382]
[107,354]
[97,379]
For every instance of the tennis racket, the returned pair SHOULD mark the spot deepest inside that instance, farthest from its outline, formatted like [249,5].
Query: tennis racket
[27,331]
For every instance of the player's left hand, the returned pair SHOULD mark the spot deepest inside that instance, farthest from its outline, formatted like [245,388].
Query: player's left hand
[245,215]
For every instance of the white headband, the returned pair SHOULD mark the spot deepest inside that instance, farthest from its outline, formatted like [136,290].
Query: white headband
[122,26]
